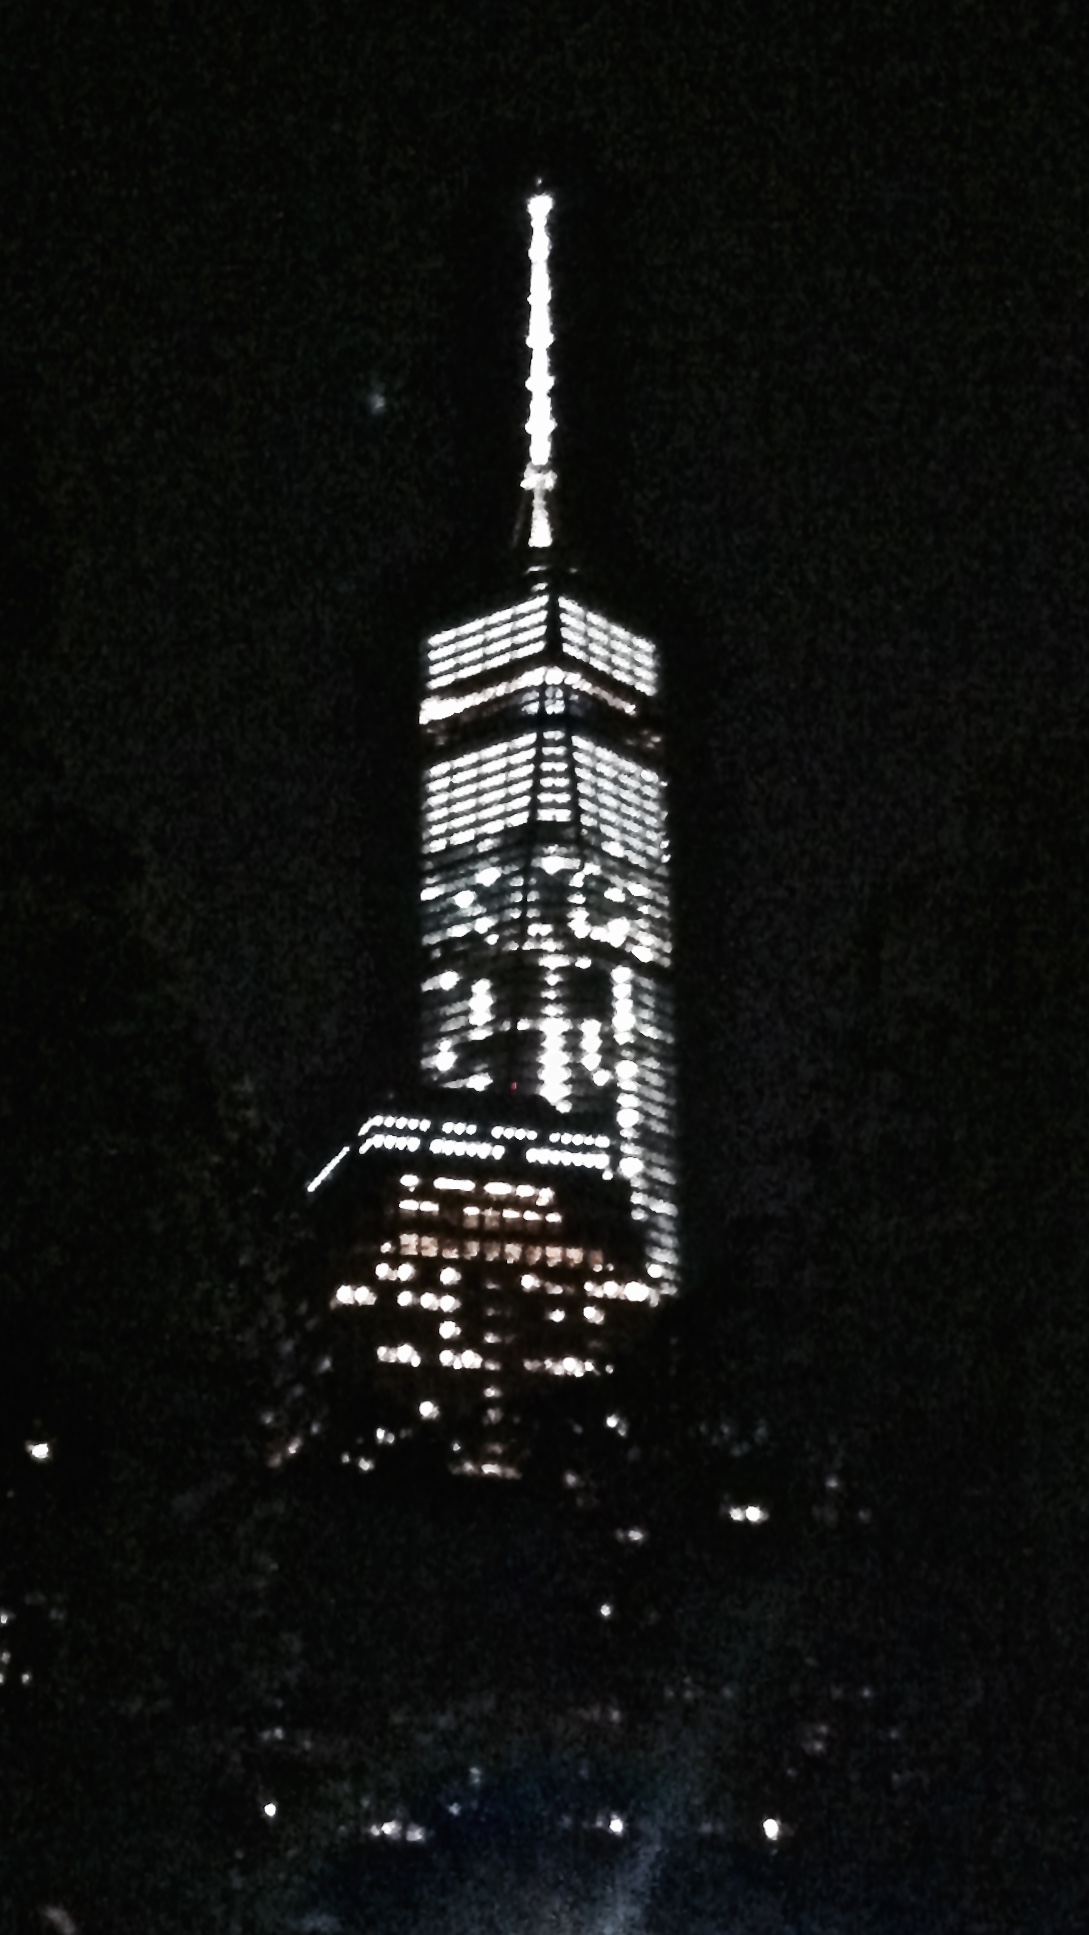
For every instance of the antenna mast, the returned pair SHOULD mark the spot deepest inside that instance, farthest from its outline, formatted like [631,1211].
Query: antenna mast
[539,478]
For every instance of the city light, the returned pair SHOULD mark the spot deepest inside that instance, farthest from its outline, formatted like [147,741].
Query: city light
[328,1170]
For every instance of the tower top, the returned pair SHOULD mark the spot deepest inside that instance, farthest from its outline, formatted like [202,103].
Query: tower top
[540,423]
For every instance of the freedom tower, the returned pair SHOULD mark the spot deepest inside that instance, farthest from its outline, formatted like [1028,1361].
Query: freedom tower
[545,848]
[534,1175]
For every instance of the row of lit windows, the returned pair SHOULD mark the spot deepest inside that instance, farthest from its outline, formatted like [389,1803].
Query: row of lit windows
[608,647]
[471,1360]
[509,634]
[412,1243]
[481,768]
[502,635]
[606,1289]
[492,1218]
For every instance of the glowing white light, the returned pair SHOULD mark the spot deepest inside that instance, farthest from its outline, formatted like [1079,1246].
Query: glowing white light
[429,1410]
[540,423]
[40,1450]
[445,1057]
[606,1611]
[269,1810]
[772,1828]
[327,1171]
[480,1005]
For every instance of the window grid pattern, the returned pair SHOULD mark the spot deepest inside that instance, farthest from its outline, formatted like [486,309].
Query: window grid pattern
[486,643]
[620,654]
[547,930]
[483,1286]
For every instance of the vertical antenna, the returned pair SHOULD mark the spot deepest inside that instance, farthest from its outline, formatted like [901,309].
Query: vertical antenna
[539,477]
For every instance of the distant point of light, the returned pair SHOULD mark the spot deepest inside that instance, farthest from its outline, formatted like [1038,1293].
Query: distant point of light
[772,1828]
[40,1450]
[269,1810]
[327,1171]
[540,423]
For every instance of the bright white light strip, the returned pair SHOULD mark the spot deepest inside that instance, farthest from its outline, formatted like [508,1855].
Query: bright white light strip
[449,706]
[540,422]
[327,1171]
[568,1158]
[484,1151]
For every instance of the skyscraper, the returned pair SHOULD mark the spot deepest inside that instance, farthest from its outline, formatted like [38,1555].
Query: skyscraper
[548,1043]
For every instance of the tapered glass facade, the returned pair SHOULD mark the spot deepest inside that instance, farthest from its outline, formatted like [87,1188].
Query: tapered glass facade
[545,879]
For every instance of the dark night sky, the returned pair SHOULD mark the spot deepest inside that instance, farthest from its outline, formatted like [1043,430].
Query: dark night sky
[821,295]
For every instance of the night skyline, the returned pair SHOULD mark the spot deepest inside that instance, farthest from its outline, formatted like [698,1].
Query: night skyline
[820,340]
[829,407]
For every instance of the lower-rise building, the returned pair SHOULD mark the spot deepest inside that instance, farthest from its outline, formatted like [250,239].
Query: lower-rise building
[483,1260]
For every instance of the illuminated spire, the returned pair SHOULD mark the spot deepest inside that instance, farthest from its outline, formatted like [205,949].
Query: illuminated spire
[540,423]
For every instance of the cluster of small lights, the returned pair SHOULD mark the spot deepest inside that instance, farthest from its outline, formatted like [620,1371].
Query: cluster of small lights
[628,1292]
[569,1158]
[398,1830]
[562,1366]
[355,1293]
[480,1151]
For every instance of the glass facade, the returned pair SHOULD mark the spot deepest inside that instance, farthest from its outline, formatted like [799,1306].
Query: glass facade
[547,932]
